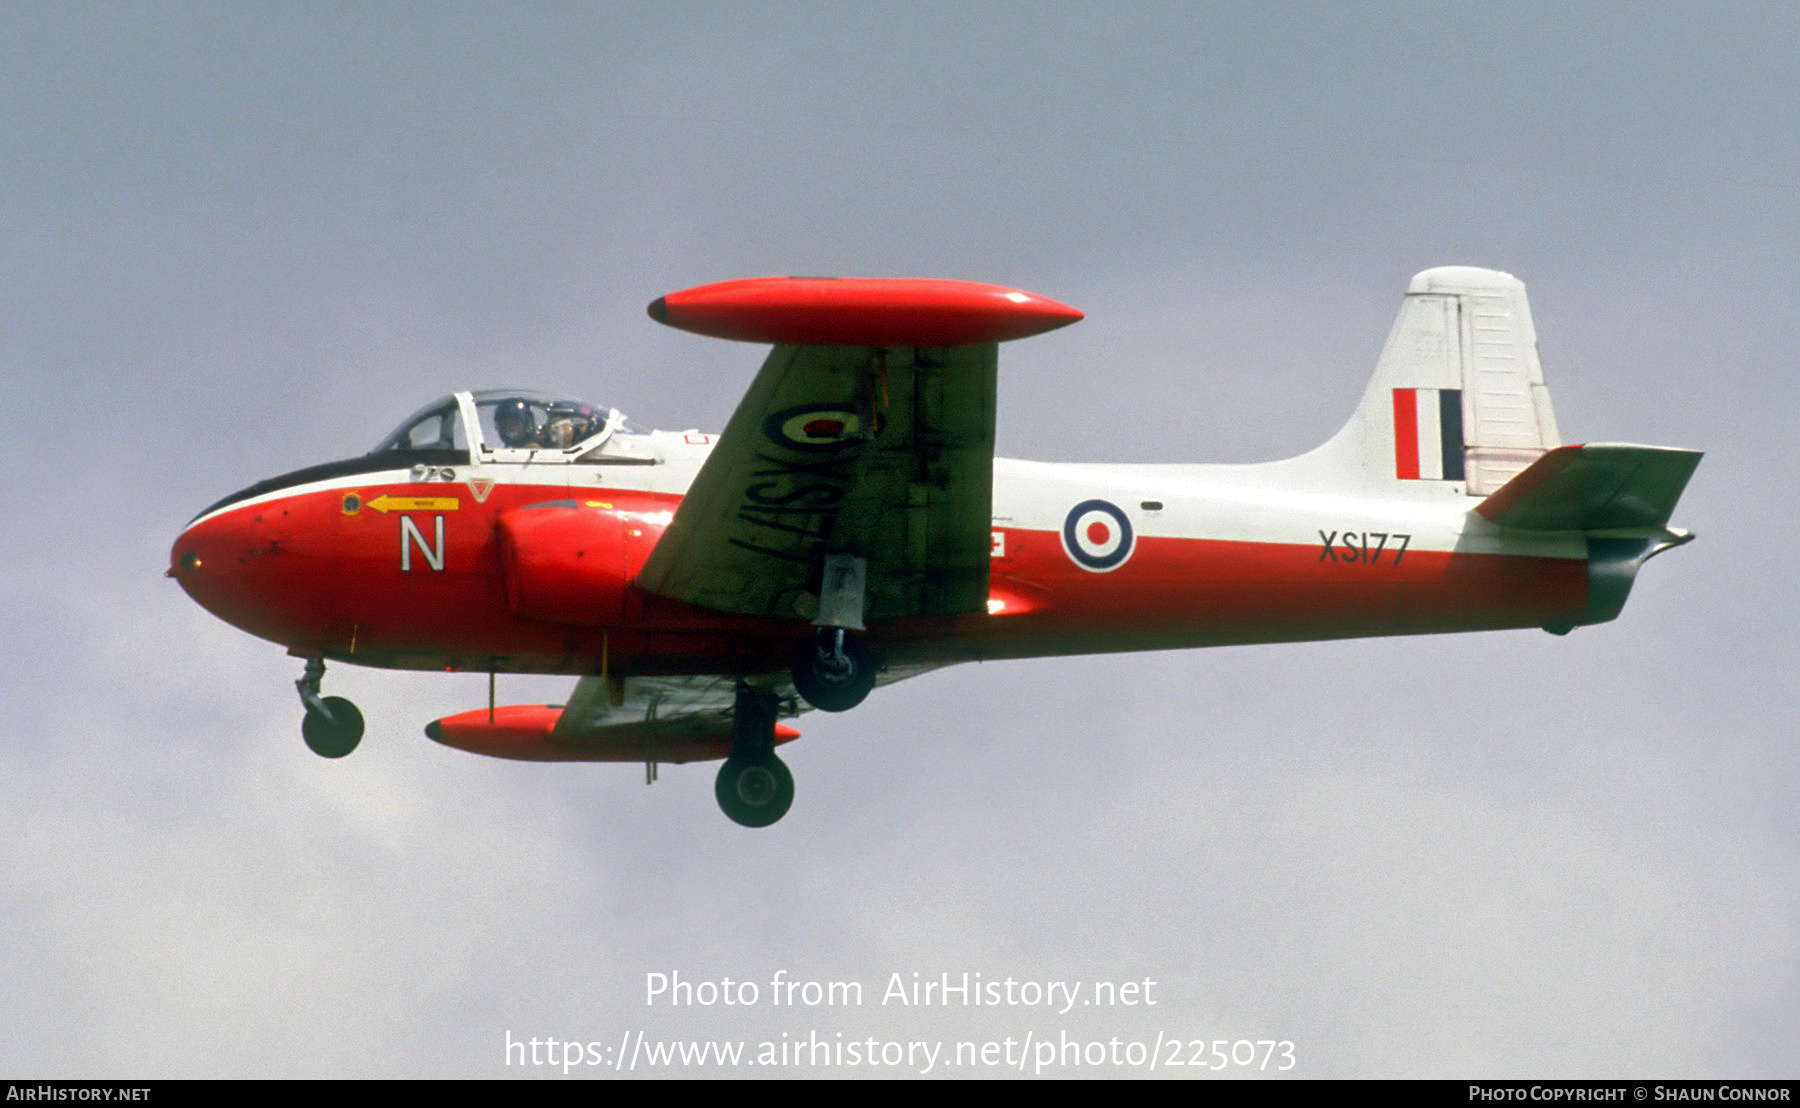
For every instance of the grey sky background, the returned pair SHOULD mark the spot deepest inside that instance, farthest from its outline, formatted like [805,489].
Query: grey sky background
[238,239]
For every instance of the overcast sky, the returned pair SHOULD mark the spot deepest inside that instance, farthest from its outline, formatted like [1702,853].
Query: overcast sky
[237,239]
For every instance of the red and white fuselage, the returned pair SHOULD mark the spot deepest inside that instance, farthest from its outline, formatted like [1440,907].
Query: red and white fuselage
[1447,503]
[388,569]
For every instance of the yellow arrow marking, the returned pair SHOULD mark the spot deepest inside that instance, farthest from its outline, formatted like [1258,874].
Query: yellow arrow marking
[385,503]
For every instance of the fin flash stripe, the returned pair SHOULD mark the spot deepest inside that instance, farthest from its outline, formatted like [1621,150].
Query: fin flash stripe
[1428,434]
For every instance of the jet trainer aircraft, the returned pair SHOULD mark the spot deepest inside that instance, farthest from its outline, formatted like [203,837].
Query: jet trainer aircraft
[851,527]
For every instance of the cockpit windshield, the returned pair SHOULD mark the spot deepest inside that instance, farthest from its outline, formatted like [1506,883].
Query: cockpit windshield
[436,426]
[506,420]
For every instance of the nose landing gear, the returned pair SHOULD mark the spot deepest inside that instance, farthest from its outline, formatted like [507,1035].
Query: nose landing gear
[333,726]
[754,786]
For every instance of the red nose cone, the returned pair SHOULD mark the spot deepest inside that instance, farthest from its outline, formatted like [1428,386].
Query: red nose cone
[861,311]
[246,567]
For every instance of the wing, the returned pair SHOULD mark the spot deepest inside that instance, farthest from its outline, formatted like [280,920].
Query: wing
[868,432]
[632,719]
[883,453]
[601,709]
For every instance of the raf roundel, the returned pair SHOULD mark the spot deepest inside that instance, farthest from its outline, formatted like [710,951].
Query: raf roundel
[813,430]
[1097,536]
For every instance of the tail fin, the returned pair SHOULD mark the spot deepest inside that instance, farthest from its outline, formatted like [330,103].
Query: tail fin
[1458,399]
[1458,408]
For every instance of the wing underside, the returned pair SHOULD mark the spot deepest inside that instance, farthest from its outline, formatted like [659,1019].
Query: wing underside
[667,719]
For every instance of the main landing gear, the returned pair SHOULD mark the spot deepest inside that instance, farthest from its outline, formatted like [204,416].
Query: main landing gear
[834,671]
[333,726]
[754,785]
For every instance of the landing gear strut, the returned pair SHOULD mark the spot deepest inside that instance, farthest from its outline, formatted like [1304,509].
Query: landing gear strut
[754,786]
[333,726]
[834,671]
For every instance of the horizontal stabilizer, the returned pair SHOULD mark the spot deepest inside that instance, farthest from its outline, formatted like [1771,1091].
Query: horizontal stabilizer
[1596,487]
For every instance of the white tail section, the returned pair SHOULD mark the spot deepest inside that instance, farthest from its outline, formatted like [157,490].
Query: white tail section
[1458,399]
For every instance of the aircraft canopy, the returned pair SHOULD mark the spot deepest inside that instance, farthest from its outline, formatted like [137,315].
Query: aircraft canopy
[502,421]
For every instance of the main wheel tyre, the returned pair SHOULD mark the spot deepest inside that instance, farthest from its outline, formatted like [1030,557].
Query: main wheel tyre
[829,682]
[337,736]
[755,792]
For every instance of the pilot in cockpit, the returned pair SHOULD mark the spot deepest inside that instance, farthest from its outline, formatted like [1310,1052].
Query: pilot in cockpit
[517,427]
[570,424]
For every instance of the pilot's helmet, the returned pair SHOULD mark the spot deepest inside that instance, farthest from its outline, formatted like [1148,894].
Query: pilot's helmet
[512,418]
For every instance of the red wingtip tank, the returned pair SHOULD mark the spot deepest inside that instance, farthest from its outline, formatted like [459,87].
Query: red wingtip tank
[861,311]
[527,733]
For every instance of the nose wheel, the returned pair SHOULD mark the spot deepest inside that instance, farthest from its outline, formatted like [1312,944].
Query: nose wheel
[754,787]
[834,672]
[333,726]
[336,734]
